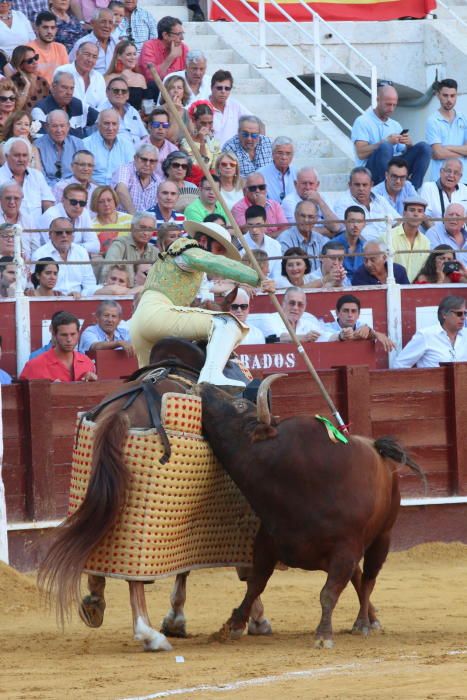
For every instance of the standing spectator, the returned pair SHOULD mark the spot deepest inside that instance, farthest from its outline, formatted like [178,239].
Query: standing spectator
[448,189]
[408,237]
[307,188]
[227,110]
[136,246]
[52,54]
[86,9]
[159,125]
[451,231]
[205,204]
[252,149]
[19,124]
[57,147]
[108,219]
[89,83]
[131,124]
[138,24]
[166,203]
[15,28]
[8,100]
[124,64]
[378,138]
[446,129]
[257,238]
[227,168]
[136,183]
[31,86]
[396,187]
[62,363]
[11,198]
[201,116]
[30,8]
[101,35]
[302,234]
[256,192]
[69,28]
[280,175]
[73,207]
[351,238]
[82,166]
[110,149]
[375,267]
[106,333]
[168,52]
[195,76]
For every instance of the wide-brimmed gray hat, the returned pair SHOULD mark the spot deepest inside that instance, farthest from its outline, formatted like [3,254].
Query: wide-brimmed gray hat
[215,231]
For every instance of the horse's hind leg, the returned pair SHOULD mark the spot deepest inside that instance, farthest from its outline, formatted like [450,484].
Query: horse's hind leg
[174,623]
[152,640]
[92,607]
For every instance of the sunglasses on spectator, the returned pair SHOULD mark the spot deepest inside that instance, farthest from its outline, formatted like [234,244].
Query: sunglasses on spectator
[223,88]
[236,307]
[31,60]
[77,202]
[292,302]
[151,161]
[158,125]
[7,98]
[184,166]
[460,314]
[255,188]
[249,134]
[119,91]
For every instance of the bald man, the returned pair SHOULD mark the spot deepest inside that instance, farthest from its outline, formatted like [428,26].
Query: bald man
[378,138]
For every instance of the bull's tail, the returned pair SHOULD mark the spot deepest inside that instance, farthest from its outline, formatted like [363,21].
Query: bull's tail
[390,448]
[60,572]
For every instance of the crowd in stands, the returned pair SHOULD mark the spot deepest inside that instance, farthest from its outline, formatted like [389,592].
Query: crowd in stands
[97,173]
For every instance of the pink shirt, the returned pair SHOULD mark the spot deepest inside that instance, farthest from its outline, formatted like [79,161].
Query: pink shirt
[155,51]
[274,214]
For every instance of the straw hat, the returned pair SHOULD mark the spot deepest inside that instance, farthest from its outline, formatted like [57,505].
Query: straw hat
[215,231]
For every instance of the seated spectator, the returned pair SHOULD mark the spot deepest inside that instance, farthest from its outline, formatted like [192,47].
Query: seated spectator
[252,149]
[136,183]
[257,238]
[77,279]
[202,116]
[347,325]
[140,272]
[14,29]
[136,246]
[4,376]
[262,260]
[378,138]
[52,53]
[396,186]
[73,207]
[280,175]
[20,124]
[166,235]
[30,9]
[131,124]
[375,267]
[168,52]
[445,341]
[11,198]
[8,99]
[227,110]
[295,269]
[108,220]
[159,125]
[306,326]
[7,276]
[302,235]
[332,272]
[138,24]
[116,281]
[447,190]
[307,188]
[44,279]
[227,168]
[351,238]
[205,204]
[81,116]
[69,27]
[82,166]
[435,270]
[179,91]
[89,83]
[445,129]
[106,334]
[256,193]
[31,86]
[451,231]
[57,147]
[62,363]
[110,148]
[124,64]
[240,308]
[37,194]
[176,168]
[102,36]
[7,240]
[165,207]
[374,206]
[195,76]
[408,237]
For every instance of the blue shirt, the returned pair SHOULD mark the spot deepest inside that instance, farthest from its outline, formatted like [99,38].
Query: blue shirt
[279,184]
[44,348]
[4,377]
[407,191]
[95,334]
[370,128]
[362,276]
[351,264]
[292,238]
[55,167]
[437,235]
[439,130]
[108,160]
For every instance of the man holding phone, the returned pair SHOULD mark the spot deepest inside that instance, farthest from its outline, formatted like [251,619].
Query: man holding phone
[378,138]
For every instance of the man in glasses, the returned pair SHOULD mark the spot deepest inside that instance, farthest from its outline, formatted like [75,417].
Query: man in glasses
[252,149]
[396,186]
[206,203]
[240,308]
[102,36]
[198,81]
[168,52]
[82,167]
[227,110]
[448,189]
[111,149]
[159,125]
[131,124]
[280,175]
[89,83]
[445,341]
[306,326]
[52,54]
[57,147]
[256,193]
[136,183]
[73,207]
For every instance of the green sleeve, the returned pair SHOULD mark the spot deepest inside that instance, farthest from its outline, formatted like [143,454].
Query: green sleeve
[199,259]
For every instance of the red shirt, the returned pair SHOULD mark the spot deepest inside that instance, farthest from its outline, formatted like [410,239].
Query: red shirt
[48,366]
[155,51]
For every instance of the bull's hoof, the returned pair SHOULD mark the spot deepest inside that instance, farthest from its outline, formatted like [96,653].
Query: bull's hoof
[174,625]
[258,628]
[91,610]
[321,643]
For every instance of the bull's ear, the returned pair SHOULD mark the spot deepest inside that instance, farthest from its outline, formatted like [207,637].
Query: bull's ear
[263,432]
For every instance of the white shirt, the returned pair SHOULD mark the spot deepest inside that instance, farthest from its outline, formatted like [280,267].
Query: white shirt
[94,95]
[431,193]
[226,122]
[273,324]
[232,197]
[430,346]
[272,248]
[29,241]
[379,208]
[204,92]
[253,337]
[35,190]
[87,239]
[289,203]
[71,278]
[20,32]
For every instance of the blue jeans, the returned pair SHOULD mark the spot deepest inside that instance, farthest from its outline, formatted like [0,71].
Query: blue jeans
[417,157]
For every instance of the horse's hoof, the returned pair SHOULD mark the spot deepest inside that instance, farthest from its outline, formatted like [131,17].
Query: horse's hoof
[91,610]
[159,643]
[174,626]
[259,628]
[321,643]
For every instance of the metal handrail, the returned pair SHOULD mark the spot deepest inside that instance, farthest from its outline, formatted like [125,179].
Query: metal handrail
[455,16]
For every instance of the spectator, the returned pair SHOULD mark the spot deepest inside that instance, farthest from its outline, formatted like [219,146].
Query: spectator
[31,86]
[73,207]
[302,234]
[176,167]
[110,149]
[69,27]
[295,269]
[408,237]
[451,231]
[159,125]
[101,35]
[131,124]
[257,238]
[166,235]
[30,8]
[4,376]
[347,325]
[57,147]
[448,189]
[89,83]
[307,188]
[332,272]
[11,198]
[305,325]
[138,24]
[76,280]
[395,187]
[118,11]
[374,206]
[167,53]
[240,308]
[136,183]
[227,168]
[52,54]
[19,124]
[7,241]
[375,268]
[86,9]
[445,341]
[446,129]
[435,270]
[136,246]
[205,204]
[108,220]
[195,76]
[201,115]
[252,149]
[256,193]
[124,64]
[15,29]
[227,110]
[82,166]
[164,209]
[44,278]
[81,116]
[37,194]
[179,91]
[7,276]
[378,138]
[61,363]
[261,258]
[280,175]
[117,281]
[351,238]
[8,100]
[106,334]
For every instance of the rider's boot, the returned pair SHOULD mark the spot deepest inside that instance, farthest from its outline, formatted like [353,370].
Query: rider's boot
[225,336]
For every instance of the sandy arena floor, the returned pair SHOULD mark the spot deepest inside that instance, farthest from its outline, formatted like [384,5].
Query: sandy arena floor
[421,596]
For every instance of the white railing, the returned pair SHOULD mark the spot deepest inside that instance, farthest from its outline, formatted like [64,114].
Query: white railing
[319,50]
[454,15]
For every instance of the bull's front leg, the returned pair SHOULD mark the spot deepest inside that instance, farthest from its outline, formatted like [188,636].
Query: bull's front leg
[174,623]
[144,632]
[92,607]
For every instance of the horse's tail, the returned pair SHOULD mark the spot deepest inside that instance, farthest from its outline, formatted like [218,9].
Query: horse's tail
[391,449]
[60,572]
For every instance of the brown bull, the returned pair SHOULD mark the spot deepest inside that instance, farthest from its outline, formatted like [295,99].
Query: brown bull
[322,505]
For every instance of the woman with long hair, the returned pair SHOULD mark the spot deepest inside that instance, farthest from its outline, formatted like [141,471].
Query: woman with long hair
[20,124]
[178,89]
[31,86]
[8,101]
[434,272]
[201,115]
[69,28]
[124,64]
[104,203]
[44,278]
[227,168]
[295,269]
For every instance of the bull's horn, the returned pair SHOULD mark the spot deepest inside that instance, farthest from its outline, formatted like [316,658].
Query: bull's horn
[263,413]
